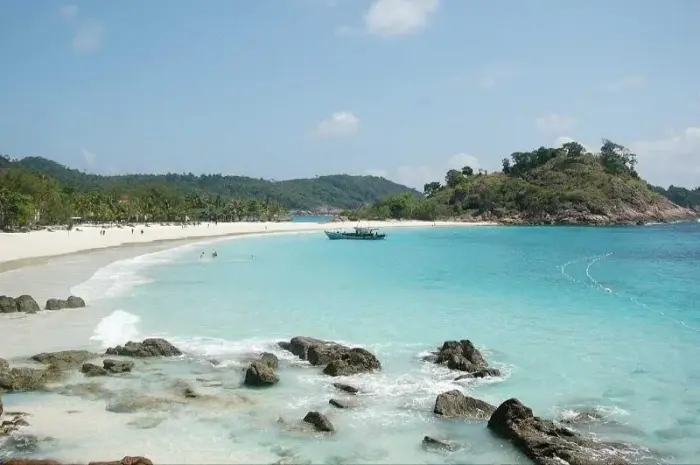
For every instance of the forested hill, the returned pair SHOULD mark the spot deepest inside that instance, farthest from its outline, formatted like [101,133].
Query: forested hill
[689,198]
[555,185]
[334,191]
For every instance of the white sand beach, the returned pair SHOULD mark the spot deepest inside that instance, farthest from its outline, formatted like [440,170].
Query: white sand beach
[38,244]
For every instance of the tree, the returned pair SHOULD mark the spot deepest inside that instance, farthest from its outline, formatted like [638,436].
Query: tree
[431,188]
[453,177]
[573,149]
[617,159]
[467,171]
[506,166]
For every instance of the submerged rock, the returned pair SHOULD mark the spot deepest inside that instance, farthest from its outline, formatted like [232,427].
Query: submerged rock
[484,373]
[8,304]
[154,347]
[56,304]
[319,422]
[90,369]
[118,366]
[432,443]
[346,388]
[545,443]
[27,379]
[260,374]
[126,461]
[343,404]
[13,421]
[131,403]
[454,404]
[64,359]
[354,361]
[27,304]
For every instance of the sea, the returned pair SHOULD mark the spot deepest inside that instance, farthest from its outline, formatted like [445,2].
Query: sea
[604,321]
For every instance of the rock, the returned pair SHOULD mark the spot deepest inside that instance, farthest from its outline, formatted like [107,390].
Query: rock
[354,361]
[319,422]
[75,302]
[454,404]
[4,365]
[30,462]
[56,304]
[341,403]
[27,304]
[27,379]
[461,355]
[432,443]
[8,304]
[64,359]
[90,369]
[300,345]
[346,387]
[132,402]
[584,417]
[323,354]
[270,360]
[483,373]
[155,347]
[1,406]
[260,374]
[118,366]
[125,461]
[10,426]
[545,443]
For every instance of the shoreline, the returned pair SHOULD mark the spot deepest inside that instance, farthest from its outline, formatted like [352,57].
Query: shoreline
[20,250]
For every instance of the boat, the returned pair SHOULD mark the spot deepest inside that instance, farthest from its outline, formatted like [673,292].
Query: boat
[363,234]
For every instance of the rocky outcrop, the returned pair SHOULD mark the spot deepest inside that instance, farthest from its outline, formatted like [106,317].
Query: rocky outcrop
[319,422]
[8,304]
[346,388]
[27,304]
[4,366]
[154,347]
[91,370]
[454,404]
[339,360]
[260,374]
[64,359]
[117,366]
[27,379]
[463,356]
[59,304]
[12,422]
[354,361]
[545,443]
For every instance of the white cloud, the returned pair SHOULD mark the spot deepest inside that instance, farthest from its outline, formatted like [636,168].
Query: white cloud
[674,159]
[88,36]
[339,124]
[631,82]
[69,11]
[494,76]
[554,123]
[461,160]
[389,18]
[417,176]
[90,158]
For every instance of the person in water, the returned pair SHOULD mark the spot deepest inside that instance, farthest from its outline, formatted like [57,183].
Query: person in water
[214,255]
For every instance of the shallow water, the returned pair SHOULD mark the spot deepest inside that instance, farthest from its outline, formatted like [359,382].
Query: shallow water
[578,319]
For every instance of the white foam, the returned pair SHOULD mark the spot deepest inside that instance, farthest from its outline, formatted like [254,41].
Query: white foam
[116,328]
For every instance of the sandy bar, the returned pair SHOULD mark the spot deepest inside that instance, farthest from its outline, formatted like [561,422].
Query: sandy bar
[22,249]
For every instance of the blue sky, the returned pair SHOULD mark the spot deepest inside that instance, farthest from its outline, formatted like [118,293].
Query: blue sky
[401,88]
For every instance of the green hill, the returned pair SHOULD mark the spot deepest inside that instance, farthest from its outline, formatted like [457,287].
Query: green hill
[335,191]
[564,185]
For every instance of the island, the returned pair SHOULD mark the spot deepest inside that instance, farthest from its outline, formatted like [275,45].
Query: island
[564,185]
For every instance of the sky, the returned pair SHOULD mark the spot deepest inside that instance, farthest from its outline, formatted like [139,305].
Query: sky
[404,89]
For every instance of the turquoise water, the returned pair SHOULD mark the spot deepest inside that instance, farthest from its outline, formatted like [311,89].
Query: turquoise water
[578,319]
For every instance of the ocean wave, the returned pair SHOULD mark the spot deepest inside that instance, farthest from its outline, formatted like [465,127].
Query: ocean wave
[116,328]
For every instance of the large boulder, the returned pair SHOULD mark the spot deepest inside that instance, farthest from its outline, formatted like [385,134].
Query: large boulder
[8,304]
[300,345]
[352,362]
[260,374]
[75,302]
[269,359]
[27,304]
[319,422]
[323,354]
[155,347]
[545,443]
[118,366]
[27,379]
[454,404]
[55,304]
[90,370]
[64,359]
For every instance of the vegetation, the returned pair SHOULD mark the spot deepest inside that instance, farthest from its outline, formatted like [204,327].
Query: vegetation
[37,191]
[681,196]
[550,185]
